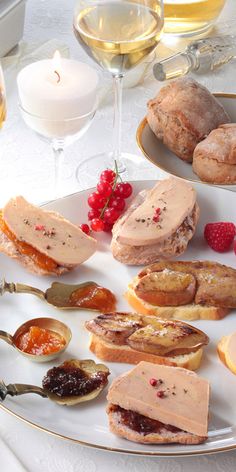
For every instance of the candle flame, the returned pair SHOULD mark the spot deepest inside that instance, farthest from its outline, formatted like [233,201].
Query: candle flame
[56,60]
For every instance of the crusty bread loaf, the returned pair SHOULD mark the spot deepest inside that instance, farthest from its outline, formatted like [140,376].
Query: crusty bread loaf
[214,159]
[125,354]
[190,312]
[165,436]
[182,114]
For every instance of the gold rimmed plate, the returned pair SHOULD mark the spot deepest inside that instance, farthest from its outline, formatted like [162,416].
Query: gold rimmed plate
[159,155]
[87,423]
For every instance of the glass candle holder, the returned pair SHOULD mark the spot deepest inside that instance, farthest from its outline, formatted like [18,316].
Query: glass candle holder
[59,133]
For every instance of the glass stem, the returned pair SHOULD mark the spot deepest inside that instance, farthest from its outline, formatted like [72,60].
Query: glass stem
[58,152]
[117,83]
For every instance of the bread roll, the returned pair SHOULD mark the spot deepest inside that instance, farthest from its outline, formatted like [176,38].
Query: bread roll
[182,114]
[214,159]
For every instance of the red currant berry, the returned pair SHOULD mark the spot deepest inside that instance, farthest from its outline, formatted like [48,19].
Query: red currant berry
[93,214]
[107,227]
[108,175]
[111,215]
[123,189]
[117,202]
[96,201]
[97,224]
[104,188]
[85,228]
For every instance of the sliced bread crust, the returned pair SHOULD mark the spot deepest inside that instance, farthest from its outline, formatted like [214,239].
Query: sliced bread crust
[189,312]
[125,354]
[164,437]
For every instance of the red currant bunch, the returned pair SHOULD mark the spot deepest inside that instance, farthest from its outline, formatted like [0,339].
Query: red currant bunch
[108,202]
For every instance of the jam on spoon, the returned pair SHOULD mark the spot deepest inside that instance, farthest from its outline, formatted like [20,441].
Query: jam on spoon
[39,341]
[75,381]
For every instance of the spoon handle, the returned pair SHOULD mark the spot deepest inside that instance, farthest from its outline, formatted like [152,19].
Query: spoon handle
[6,337]
[11,287]
[19,389]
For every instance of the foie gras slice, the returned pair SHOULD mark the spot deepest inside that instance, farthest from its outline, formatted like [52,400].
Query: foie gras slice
[48,232]
[184,403]
[174,197]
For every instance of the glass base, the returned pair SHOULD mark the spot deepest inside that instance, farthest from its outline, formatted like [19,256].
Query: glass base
[187,30]
[130,166]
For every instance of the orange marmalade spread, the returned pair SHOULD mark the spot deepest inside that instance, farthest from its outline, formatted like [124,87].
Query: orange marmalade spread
[44,262]
[39,341]
[94,297]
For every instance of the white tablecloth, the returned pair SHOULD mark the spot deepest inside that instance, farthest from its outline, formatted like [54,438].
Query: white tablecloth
[26,167]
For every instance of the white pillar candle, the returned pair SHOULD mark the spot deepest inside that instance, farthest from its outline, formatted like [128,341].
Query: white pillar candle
[55,90]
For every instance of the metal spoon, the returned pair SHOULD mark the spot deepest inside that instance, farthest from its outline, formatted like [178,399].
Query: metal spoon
[20,389]
[45,323]
[88,365]
[58,294]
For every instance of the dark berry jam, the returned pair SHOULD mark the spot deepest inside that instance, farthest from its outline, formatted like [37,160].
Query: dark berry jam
[67,380]
[142,424]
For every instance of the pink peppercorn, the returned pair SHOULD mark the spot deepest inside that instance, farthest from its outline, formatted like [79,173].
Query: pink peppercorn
[153,382]
[161,394]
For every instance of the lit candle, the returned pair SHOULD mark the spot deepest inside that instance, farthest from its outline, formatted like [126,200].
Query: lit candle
[56,89]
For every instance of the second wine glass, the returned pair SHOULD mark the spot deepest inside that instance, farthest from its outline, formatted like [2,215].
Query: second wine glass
[118,35]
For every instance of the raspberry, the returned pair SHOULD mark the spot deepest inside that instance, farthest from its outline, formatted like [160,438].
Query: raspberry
[219,236]
[235,247]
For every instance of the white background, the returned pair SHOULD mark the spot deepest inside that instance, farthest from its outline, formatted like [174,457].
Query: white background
[26,167]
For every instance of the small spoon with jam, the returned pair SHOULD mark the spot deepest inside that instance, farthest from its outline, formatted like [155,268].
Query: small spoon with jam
[39,339]
[70,383]
[87,295]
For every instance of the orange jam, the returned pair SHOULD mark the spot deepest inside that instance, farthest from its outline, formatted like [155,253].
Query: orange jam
[40,341]
[93,297]
[44,262]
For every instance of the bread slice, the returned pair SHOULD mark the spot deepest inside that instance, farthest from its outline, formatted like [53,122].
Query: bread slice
[189,312]
[165,436]
[226,351]
[8,248]
[125,354]
[138,238]
[43,241]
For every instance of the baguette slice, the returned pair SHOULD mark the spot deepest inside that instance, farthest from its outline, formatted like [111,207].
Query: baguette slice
[226,349]
[46,235]
[177,402]
[125,354]
[164,437]
[190,312]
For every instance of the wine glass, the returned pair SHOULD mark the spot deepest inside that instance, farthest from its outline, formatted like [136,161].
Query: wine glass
[60,133]
[2,98]
[118,35]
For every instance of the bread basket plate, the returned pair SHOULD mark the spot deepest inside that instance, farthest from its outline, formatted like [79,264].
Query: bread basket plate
[87,423]
[159,155]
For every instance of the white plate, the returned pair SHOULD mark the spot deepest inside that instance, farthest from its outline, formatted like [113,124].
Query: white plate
[87,423]
[159,155]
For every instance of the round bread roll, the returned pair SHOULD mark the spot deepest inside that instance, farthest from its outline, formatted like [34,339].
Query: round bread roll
[183,114]
[214,159]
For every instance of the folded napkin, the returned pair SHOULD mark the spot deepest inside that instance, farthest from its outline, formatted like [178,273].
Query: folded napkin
[8,459]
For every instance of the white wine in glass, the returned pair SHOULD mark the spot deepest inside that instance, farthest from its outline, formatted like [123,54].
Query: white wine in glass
[2,99]
[191,17]
[118,35]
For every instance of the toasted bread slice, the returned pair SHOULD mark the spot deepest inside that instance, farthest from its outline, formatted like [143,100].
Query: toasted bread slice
[114,353]
[165,436]
[188,312]
[227,352]
[43,241]
[8,248]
